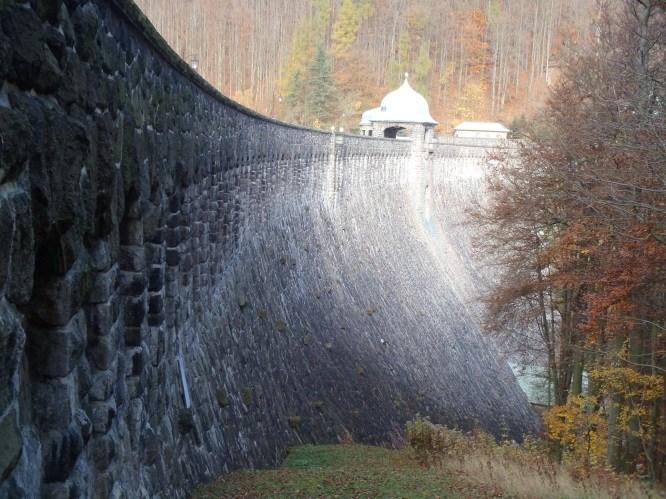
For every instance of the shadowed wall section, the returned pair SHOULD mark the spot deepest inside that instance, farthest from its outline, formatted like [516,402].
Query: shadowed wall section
[187,287]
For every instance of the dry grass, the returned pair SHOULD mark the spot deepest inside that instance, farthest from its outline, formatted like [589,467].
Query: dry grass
[524,471]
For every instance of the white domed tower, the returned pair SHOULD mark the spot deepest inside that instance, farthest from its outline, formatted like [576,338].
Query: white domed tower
[403,113]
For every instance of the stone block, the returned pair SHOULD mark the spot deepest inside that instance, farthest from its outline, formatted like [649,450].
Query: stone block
[102,451]
[156,278]
[131,232]
[61,449]
[11,443]
[155,303]
[17,137]
[20,281]
[102,415]
[132,283]
[151,446]
[101,317]
[102,285]
[135,386]
[172,256]
[134,310]
[57,299]
[135,335]
[48,10]
[7,223]
[157,343]
[132,258]
[173,238]
[100,256]
[103,350]
[155,253]
[58,251]
[53,402]
[86,24]
[137,361]
[55,352]
[102,485]
[12,341]
[102,385]
[33,64]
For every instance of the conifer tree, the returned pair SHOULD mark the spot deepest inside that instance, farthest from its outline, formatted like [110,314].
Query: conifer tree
[321,90]
[422,70]
[295,101]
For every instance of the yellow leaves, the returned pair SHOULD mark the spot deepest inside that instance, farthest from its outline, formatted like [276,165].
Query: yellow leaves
[579,428]
[346,28]
[634,394]
[628,384]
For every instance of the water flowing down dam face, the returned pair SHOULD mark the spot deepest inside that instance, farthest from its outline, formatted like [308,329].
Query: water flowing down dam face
[187,287]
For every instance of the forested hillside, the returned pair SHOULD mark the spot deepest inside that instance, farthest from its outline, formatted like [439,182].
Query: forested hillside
[322,62]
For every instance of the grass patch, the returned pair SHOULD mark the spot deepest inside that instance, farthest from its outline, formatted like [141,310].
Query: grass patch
[440,463]
[343,471]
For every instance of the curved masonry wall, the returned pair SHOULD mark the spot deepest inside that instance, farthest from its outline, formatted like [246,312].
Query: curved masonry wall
[187,287]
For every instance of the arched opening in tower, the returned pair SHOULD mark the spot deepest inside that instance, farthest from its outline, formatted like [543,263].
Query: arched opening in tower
[394,132]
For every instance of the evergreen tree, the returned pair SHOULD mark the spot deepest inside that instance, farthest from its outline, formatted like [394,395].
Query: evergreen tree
[422,70]
[321,94]
[295,101]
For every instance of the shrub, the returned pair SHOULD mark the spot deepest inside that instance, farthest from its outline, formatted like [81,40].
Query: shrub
[294,422]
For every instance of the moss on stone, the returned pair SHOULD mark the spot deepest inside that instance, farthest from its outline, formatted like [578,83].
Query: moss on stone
[222,398]
[247,393]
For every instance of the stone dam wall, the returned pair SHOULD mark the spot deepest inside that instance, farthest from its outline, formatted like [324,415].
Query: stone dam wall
[187,287]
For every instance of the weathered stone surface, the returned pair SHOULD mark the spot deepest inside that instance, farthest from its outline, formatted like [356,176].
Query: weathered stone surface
[102,350]
[5,55]
[102,286]
[55,352]
[102,415]
[102,450]
[12,339]
[48,10]
[7,221]
[61,449]
[58,298]
[86,24]
[102,385]
[20,282]
[101,317]
[17,135]
[10,443]
[53,402]
[132,283]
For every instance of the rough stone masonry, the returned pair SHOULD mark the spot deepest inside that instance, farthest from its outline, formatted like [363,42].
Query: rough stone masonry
[187,287]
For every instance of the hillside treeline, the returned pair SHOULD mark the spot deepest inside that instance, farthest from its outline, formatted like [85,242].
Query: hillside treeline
[578,226]
[322,62]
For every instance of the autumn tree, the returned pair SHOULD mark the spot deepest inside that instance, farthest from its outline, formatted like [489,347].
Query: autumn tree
[584,205]
[254,51]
